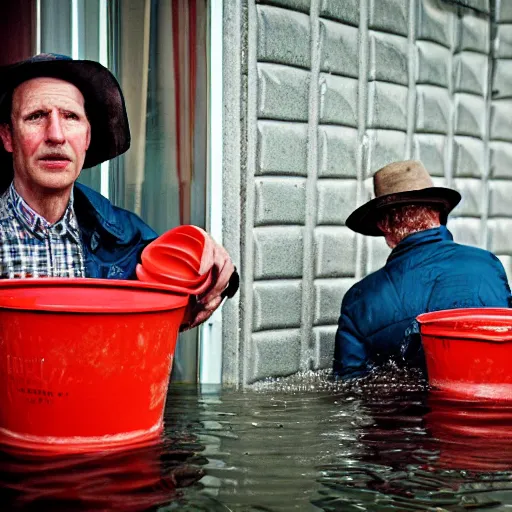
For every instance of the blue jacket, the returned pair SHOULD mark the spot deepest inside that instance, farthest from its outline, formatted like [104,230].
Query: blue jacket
[112,238]
[427,271]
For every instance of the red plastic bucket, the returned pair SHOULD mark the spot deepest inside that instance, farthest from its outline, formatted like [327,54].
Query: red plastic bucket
[84,363]
[469,351]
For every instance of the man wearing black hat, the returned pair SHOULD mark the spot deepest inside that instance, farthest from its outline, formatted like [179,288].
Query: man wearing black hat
[426,271]
[57,116]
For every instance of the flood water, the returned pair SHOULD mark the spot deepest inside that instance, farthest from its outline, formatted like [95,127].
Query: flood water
[301,443]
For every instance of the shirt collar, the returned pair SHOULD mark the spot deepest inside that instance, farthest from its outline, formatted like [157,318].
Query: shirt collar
[427,236]
[37,224]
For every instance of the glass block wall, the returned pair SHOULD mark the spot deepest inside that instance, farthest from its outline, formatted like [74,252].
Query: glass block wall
[319,95]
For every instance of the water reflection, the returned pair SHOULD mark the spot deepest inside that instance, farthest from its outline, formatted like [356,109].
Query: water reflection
[132,481]
[303,443]
[423,451]
[470,435]
[129,481]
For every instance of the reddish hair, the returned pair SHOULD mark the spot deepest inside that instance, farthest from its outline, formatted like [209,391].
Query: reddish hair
[398,222]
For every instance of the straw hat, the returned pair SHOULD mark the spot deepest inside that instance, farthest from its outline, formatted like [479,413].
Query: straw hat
[104,101]
[396,184]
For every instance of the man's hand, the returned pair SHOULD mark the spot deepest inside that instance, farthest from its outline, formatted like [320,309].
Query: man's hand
[215,259]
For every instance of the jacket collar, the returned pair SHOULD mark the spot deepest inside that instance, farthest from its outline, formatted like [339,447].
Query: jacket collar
[88,202]
[428,236]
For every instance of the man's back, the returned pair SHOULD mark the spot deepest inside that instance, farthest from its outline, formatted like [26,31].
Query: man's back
[427,271]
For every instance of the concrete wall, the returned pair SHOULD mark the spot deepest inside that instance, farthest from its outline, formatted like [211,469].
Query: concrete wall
[318,96]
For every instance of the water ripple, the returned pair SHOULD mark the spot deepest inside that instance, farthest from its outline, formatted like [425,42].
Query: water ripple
[305,442]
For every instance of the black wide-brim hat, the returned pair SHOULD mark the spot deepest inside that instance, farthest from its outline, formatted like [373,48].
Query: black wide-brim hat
[400,184]
[104,101]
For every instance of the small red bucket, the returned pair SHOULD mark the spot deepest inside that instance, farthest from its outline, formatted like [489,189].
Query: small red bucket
[84,363]
[468,352]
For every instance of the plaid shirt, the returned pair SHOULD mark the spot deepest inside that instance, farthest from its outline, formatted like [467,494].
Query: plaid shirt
[32,247]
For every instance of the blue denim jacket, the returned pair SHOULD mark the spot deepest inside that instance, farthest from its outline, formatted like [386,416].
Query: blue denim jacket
[427,271]
[112,238]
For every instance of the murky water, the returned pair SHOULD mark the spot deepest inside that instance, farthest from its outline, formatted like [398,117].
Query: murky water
[303,443]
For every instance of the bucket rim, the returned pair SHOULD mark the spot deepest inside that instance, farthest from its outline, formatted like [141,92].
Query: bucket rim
[466,324]
[11,295]
[460,313]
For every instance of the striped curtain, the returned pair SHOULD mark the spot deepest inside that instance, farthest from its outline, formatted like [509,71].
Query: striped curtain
[184,14]
[163,72]
[163,52]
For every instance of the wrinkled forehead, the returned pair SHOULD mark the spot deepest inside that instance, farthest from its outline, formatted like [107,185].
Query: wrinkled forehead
[46,92]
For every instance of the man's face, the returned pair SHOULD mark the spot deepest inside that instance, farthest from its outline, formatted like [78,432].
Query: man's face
[49,134]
